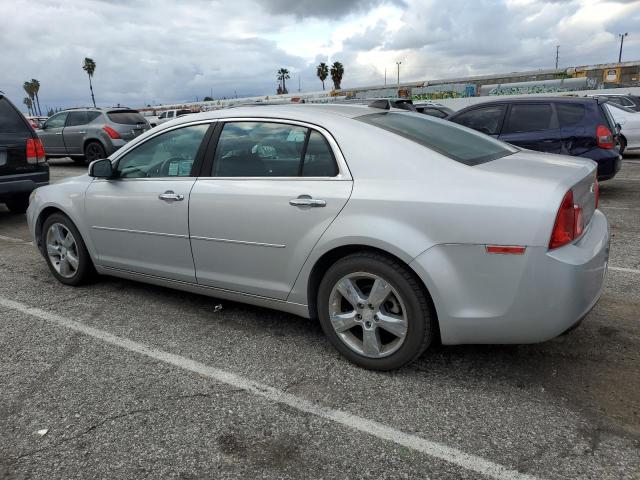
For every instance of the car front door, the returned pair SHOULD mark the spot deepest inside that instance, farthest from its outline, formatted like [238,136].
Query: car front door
[272,190]
[533,126]
[139,219]
[51,134]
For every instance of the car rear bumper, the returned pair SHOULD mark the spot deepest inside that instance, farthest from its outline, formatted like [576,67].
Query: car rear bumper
[24,182]
[492,298]
[609,162]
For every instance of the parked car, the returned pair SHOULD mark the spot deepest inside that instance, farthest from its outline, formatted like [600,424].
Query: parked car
[150,116]
[171,114]
[580,127]
[87,134]
[390,227]
[434,109]
[23,166]
[630,101]
[629,121]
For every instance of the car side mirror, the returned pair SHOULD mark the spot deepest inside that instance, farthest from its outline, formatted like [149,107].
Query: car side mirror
[101,168]
[43,126]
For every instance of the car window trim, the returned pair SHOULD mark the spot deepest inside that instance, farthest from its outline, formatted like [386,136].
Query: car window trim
[58,115]
[197,162]
[343,169]
[66,121]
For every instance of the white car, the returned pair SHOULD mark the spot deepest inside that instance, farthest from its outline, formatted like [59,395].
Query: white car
[629,121]
[393,228]
[171,114]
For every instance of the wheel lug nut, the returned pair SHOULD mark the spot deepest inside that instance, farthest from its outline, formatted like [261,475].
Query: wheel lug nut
[371,306]
[361,305]
[359,317]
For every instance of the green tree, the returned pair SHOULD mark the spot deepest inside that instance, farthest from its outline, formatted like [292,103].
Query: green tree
[337,72]
[322,71]
[207,99]
[28,88]
[89,66]
[283,76]
[27,101]
[35,85]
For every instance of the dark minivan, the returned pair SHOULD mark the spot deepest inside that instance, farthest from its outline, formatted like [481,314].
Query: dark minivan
[580,127]
[23,165]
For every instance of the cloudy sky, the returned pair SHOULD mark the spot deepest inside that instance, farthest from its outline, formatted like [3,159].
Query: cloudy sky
[162,51]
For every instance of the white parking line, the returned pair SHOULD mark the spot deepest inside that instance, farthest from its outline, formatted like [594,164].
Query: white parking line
[622,269]
[443,452]
[15,240]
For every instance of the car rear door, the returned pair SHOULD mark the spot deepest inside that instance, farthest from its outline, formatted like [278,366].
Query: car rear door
[533,126]
[74,132]
[269,192]
[139,220]
[51,134]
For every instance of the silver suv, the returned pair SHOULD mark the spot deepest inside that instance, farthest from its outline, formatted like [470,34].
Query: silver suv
[87,134]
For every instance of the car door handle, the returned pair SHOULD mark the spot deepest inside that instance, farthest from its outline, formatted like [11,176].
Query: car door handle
[307,201]
[82,132]
[171,195]
[58,133]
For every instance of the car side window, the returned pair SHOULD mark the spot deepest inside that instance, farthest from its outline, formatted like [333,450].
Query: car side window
[531,117]
[434,112]
[485,119]
[163,115]
[318,158]
[76,118]
[91,116]
[569,114]
[170,154]
[57,120]
[170,114]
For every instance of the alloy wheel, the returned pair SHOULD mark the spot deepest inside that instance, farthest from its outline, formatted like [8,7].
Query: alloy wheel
[368,314]
[62,250]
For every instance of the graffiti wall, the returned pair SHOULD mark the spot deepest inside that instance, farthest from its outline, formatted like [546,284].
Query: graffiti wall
[542,86]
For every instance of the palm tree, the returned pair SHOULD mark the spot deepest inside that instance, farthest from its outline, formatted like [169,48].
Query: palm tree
[28,88]
[89,66]
[337,72]
[27,101]
[36,88]
[283,75]
[323,72]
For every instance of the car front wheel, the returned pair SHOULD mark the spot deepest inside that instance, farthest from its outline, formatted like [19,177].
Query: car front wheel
[375,312]
[65,251]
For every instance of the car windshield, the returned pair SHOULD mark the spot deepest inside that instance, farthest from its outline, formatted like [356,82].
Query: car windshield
[127,117]
[459,143]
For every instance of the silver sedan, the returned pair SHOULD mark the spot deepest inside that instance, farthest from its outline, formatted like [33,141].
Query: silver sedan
[392,228]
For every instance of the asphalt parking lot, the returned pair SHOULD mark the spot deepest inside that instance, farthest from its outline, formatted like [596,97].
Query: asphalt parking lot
[136,381]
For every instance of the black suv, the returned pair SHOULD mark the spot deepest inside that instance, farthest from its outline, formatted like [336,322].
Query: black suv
[23,165]
[580,127]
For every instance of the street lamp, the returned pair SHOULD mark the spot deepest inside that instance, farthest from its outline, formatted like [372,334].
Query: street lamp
[398,64]
[621,35]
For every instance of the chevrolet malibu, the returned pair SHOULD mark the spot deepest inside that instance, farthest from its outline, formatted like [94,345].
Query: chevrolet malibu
[392,228]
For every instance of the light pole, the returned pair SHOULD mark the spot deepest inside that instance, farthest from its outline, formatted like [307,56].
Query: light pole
[398,64]
[621,35]
[557,55]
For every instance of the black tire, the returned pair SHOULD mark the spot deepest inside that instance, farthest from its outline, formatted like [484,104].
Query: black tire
[623,144]
[421,323]
[94,151]
[85,271]
[18,203]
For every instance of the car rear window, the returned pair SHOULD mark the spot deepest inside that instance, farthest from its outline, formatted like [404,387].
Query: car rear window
[450,139]
[126,118]
[10,119]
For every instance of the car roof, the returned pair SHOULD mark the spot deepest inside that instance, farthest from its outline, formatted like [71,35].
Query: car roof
[304,112]
[540,100]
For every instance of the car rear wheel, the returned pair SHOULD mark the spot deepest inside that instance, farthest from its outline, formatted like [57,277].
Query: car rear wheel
[94,151]
[375,312]
[623,144]
[65,251]
[18,203]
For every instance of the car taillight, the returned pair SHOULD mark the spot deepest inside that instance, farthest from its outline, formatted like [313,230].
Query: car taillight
[111,132]
[569,222]
[604,137]
[35,151]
